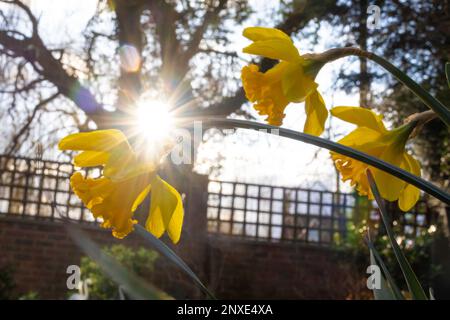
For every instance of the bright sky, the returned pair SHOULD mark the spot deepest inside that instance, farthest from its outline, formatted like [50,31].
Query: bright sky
[249,156]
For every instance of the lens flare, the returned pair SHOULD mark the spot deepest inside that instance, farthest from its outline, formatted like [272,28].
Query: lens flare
[154,120]
[130,59]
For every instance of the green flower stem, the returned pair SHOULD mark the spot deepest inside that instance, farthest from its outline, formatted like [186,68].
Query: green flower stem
[333,54]
[323,143]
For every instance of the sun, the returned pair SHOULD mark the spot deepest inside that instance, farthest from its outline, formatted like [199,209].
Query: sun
[154,120]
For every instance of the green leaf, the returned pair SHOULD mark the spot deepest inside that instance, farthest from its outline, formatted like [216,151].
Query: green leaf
[385,292]
[413,283]
[128,281]
[389,289]
[447,73]
[323,143]
[162,248]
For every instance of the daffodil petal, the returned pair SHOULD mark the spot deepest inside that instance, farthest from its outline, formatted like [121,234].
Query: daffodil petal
[390,187]
[91,159]
[99,140]
[155,223]
[176,222]
[166,210]
[109,148]
[316,114]
[408,197]
[361,136]
[275,74]
[261,33]
[296,85]
[360,116]
[124,165]
[410,194]
[118,172]
[140,198]
[278,49]
[413,164]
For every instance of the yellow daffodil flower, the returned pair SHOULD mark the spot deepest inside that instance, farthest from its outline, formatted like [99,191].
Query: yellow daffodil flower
[372,138]
[291,80]
[125,183]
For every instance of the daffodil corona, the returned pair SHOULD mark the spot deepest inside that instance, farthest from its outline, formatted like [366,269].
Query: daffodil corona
[125,183]
[372,138]
[291,80]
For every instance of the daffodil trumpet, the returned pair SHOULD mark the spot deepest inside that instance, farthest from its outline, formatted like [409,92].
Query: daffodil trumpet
[125,182]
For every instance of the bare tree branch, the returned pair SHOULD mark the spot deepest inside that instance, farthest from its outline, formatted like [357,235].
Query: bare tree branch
[15,140]
[210,16]
[34,51]
[165,15]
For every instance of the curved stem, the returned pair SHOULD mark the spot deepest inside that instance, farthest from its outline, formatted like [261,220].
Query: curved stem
[323,143]
[420,119]
[333,54]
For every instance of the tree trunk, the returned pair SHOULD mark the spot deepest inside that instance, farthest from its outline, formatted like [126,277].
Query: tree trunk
[364,81]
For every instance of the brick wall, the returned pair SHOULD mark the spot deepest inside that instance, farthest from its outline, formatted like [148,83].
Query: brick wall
[258,270]
[39,252]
